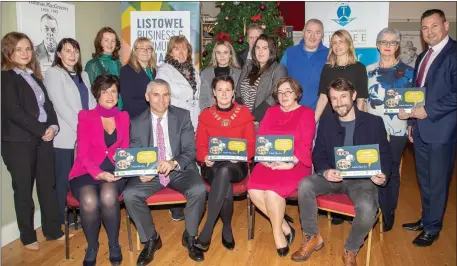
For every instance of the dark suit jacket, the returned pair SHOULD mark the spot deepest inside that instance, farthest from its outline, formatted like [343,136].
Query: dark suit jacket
[180,131]
[133,86]
[440,125]
[42,53]
[20,109]
[242,57]
[369,129]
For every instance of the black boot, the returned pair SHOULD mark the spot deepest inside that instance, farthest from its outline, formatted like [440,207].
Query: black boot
[115,255]
[188,242]
[147,254]
[90,258]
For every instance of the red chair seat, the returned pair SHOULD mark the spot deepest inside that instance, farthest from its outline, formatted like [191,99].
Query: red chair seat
[165,195]
[74,203]
[336,202]
[293,195]
[238,188]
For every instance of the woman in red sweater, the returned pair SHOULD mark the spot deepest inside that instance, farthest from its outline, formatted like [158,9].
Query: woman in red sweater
[227,119]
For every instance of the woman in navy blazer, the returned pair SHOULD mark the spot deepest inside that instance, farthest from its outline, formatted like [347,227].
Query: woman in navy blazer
[135,76]
[29,124]
[100,132]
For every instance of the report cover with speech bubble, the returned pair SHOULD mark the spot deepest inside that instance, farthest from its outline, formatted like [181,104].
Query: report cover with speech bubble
[274,148]
[136,162]
[227,149]
[361,161]
[403,98]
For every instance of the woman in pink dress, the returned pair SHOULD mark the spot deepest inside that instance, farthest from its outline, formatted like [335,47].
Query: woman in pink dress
[271,183]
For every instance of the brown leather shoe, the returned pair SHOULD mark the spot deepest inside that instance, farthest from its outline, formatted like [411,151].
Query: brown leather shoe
[309,244]
[349,258]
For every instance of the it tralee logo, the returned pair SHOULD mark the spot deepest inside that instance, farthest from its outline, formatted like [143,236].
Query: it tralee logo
[344,15]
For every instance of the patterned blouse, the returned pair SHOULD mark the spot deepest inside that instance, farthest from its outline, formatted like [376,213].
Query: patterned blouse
[249,92]
[379,81]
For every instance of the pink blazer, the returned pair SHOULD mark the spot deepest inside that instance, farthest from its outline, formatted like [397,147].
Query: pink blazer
[91,147]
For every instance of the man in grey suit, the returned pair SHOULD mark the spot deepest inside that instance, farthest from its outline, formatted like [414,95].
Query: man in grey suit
[170,129]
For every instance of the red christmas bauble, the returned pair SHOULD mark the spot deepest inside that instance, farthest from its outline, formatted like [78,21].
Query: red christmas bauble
[205,53]
[262,7]
[241,40]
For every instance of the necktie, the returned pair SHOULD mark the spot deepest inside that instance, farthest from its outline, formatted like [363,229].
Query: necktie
[164,180]
[420,76]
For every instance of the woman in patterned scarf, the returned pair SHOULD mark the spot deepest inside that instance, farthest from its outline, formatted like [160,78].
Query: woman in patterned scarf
[178,70]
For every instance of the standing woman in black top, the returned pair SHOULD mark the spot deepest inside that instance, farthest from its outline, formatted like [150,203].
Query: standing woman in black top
[258,78]
[135,76]
[342,63]
[29,124]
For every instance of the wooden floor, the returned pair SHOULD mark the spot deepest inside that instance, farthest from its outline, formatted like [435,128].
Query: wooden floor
[394,249]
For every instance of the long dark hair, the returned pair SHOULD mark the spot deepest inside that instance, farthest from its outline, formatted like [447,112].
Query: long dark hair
[98,43]
[58,61]
[256,70]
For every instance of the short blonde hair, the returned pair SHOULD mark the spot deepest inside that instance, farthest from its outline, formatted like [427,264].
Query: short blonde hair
[346,36]
[175,41]
[233,63]
[133,60]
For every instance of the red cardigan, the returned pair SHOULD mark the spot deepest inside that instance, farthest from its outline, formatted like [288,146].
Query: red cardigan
[240,127]
[91,147]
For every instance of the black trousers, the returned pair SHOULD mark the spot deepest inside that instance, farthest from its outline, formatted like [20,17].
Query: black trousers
[27,162]
[388,195]
[63,163]
[434,168]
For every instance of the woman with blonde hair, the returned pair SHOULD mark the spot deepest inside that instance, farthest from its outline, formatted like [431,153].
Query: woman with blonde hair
[136,74]
[223,63]
[178,70]
[29,125]
[341,63]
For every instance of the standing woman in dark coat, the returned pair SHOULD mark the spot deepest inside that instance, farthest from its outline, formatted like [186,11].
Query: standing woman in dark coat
[29,124]
[135,76]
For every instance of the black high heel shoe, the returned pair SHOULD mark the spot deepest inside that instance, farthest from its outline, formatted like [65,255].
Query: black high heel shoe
[228,245]
[203,246]
[91,253]
[291,236]
[282,252]
[115,260]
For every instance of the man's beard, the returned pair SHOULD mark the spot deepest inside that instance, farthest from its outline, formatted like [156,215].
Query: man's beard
[342,112]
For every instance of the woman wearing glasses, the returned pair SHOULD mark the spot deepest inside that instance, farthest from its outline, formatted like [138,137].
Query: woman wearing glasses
[135,76]
[270,183]
[383,77]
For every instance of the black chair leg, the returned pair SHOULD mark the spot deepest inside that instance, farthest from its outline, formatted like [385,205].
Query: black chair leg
[251,219]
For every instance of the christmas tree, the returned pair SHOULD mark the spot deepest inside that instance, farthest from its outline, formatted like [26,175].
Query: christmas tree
[235,17]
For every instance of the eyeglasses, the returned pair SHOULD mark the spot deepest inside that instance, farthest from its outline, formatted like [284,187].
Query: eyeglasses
[149,49]
[388,43]
[284,94]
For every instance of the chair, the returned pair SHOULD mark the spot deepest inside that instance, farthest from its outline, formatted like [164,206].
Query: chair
[73,205]
[342,204]
[163,197]
[251,213]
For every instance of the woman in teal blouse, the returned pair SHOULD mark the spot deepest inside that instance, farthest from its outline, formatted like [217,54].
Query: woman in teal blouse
[106,57]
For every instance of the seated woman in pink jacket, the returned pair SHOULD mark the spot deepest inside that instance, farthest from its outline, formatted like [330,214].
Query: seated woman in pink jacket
[100,132]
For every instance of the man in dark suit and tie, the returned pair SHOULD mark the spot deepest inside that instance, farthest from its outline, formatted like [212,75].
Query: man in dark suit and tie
[434,125]
[170,129]
[253,31]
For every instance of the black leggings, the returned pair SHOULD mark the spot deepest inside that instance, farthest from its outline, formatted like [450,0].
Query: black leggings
[100,202]
[220,199]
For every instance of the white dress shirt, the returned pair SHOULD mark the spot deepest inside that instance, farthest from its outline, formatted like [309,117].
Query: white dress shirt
[436,50]
[164,123]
